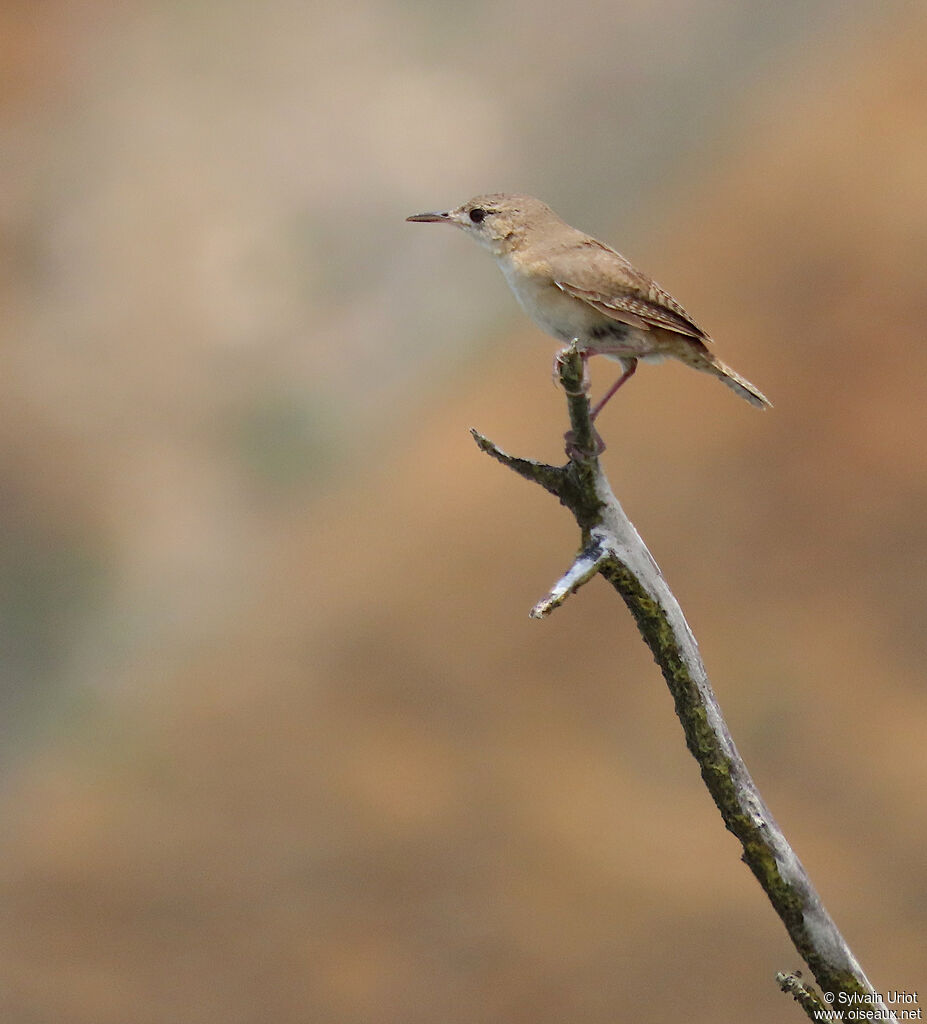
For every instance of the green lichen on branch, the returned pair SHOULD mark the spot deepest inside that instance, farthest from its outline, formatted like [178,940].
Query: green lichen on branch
[719,771]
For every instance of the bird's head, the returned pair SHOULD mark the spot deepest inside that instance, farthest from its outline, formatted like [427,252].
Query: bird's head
[499,222]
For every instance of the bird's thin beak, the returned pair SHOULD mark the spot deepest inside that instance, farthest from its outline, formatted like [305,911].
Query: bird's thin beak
[431,218]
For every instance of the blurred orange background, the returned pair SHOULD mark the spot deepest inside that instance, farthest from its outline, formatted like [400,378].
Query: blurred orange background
[279,740]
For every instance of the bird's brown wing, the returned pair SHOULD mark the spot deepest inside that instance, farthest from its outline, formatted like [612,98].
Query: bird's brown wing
[596,274]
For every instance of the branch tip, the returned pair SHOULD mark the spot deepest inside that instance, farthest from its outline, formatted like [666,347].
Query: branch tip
[551,478]
[587,564]
[583,444]
[482,442]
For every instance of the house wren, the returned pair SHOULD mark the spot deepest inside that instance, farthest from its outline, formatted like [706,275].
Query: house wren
[577,288]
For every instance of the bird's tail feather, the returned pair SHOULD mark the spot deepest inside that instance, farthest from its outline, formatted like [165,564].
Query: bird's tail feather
[740,385]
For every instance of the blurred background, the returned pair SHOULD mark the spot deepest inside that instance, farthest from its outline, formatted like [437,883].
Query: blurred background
[278,739]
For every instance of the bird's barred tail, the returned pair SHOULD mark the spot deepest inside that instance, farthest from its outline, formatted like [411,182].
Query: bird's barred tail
[740,385]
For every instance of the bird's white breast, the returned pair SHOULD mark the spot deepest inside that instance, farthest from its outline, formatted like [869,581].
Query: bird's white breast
[559,314]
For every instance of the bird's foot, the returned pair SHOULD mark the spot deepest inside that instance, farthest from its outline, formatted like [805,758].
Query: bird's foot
[557,368]
[576,453]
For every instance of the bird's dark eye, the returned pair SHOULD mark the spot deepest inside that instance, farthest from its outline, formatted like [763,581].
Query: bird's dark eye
[477,215]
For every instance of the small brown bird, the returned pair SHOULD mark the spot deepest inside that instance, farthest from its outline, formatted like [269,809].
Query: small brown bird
[577,288]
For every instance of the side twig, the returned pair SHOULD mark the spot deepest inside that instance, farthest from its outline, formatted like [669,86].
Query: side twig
[803,994]
[612,547]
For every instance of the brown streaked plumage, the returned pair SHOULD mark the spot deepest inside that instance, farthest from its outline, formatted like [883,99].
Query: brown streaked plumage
[576,287]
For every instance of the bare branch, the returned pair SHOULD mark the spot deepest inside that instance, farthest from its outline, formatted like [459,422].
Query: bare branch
[612,546]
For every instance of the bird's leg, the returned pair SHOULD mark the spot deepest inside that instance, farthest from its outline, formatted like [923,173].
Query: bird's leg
[630,366]
[555,370]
